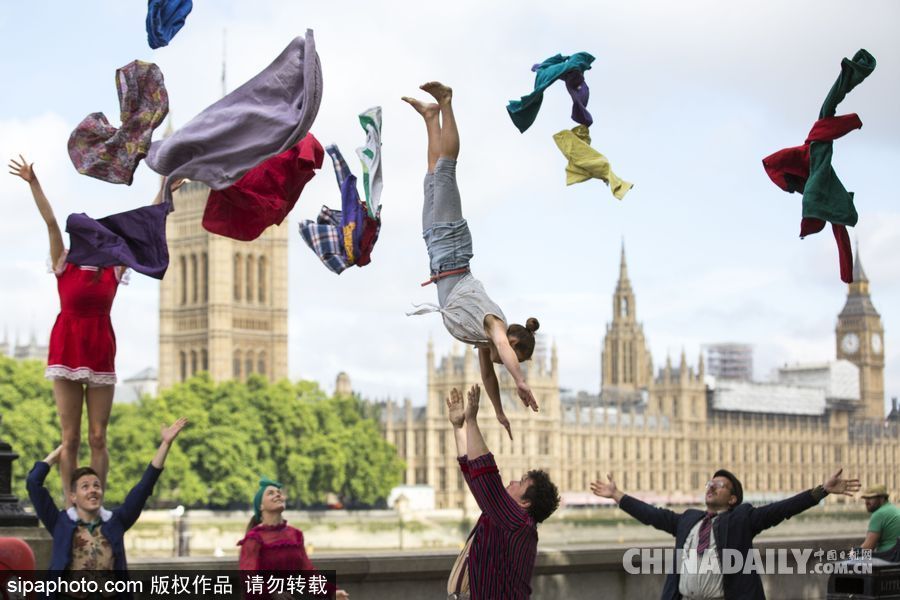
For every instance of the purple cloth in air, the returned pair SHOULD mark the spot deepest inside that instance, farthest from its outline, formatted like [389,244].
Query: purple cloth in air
[578,89]
[134,238]
[267,115]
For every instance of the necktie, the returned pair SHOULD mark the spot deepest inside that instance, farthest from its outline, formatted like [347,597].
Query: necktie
[705,528]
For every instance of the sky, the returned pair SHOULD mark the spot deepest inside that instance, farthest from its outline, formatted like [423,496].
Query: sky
[687,98]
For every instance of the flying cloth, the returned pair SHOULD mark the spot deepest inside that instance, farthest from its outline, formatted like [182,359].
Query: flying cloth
[807,168]
[264,117]
[134,238]
[585,162]
[524,111]
[346,237]
[265,195]
[164,19]
[100,150]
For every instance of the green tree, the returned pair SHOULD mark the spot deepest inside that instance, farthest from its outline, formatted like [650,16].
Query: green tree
[314,444]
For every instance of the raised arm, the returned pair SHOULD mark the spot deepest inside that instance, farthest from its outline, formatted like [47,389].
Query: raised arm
[772,514]
[476,447]
[134,502]
[483,476]
[23,169]
[41,500]
[457,416]
[492,387]
[660,518]
[168,435]
[496,330]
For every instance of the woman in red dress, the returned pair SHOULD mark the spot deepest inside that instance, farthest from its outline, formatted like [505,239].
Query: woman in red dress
[270,543]
[81,357]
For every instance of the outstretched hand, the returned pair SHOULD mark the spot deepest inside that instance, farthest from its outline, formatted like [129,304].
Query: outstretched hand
[456,411]
[837,485]
[53,457]
[526,396]
[605,489]
[22,169]
[171,432]
[472,403]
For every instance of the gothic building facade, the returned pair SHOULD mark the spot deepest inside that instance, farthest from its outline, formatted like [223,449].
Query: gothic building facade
[223,303]
[662,434]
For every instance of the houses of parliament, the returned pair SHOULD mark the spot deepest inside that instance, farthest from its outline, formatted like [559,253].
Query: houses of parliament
[662,434]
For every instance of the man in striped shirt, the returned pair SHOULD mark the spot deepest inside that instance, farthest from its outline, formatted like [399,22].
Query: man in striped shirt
[498,559]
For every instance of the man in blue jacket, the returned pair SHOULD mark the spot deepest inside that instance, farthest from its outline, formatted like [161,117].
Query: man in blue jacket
[86,536]
[727,523]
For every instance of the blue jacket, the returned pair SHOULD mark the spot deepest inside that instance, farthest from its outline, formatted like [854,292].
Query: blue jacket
[62,523]
[734,529]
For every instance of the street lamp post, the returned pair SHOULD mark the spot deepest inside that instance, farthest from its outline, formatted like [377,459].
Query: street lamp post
[11,512]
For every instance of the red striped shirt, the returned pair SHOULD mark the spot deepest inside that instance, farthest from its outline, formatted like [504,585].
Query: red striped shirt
[504,547]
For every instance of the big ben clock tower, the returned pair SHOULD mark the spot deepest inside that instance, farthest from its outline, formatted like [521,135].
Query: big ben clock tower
[860,339]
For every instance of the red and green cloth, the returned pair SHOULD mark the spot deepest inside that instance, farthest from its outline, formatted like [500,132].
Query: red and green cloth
[807,168]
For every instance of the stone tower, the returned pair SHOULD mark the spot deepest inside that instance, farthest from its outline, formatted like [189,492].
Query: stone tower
[223,303]
[860,339]
[626,364]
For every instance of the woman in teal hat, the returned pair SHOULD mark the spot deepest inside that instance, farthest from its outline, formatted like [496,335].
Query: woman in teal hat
[270,544]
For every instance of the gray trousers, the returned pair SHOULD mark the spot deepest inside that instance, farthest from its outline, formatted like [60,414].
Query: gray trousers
[445,231]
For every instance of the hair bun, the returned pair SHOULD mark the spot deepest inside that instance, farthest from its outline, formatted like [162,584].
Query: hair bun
[532,324]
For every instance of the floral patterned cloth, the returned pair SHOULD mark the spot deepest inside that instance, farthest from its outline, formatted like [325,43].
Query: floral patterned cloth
[100,150]
[91,550]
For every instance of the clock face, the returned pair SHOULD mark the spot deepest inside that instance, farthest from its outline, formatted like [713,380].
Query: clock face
[876,343]
[850,343]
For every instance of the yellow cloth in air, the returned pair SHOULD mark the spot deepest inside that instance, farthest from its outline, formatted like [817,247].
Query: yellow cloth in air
[585,162]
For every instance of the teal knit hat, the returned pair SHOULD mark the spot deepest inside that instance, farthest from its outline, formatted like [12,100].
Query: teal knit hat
[257,499]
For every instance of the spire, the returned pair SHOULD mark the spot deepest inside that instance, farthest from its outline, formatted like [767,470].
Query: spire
[224,87]
[623,268]
[858,300]
[858,273]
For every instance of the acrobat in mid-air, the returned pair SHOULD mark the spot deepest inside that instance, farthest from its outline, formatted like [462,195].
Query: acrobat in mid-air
[469,314]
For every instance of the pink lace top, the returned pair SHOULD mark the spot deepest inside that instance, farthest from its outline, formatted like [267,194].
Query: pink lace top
[274,548]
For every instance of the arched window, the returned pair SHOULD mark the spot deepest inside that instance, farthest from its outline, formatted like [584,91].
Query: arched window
[238,274]
[204,275]
[194,279]
[204,360]
[248,363]
[193,362]
[182,267]
[261,363]
[236,365]
[182,365]
[249,284]
[261,279]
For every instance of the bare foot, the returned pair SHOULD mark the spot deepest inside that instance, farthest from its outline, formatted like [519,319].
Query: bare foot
[428,111]
[441,92]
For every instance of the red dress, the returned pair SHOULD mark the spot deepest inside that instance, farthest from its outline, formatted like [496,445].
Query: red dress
[82,343]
